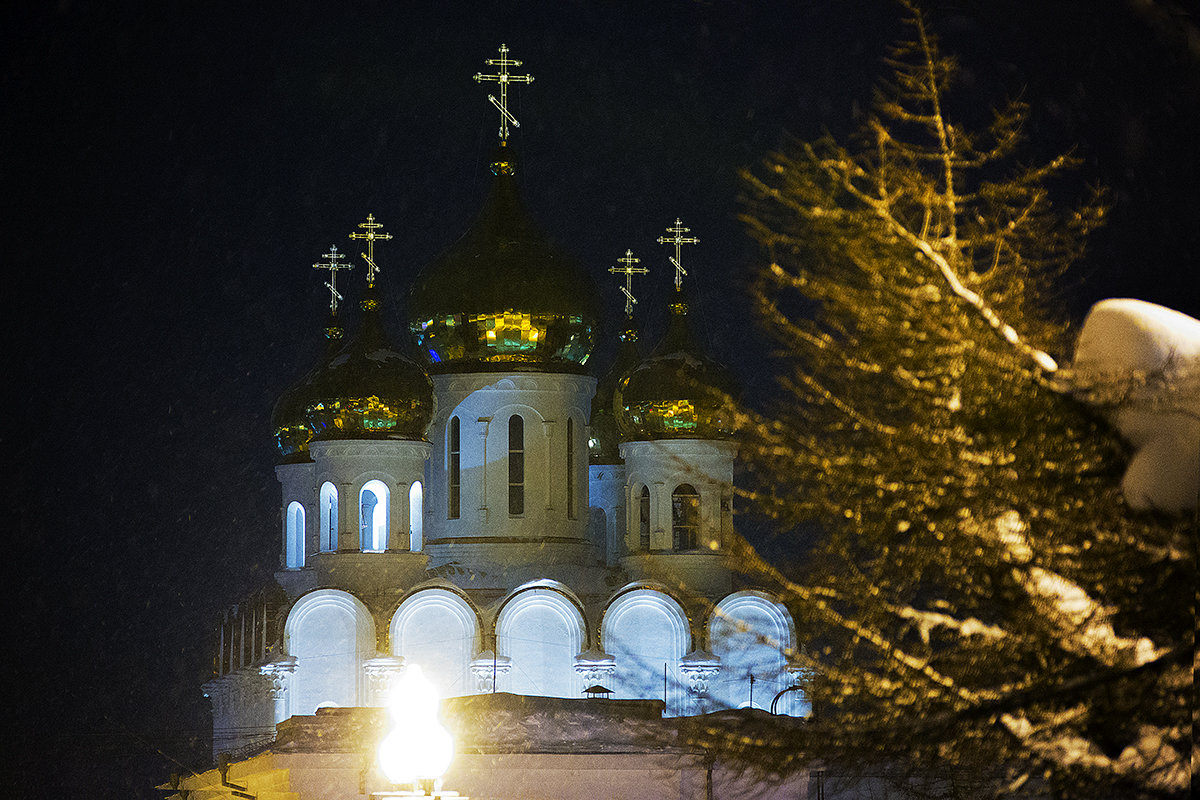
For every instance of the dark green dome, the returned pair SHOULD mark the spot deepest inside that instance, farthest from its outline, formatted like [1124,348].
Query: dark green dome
[503,297]
[289,419]
[369,390]
[677,392]
[603,442]
[365,389]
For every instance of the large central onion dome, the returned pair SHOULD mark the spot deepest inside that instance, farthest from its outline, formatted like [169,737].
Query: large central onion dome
[502,297]
[677,392]
[365,390]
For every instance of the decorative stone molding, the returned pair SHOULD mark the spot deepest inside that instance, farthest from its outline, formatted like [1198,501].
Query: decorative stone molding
[699,666]
[381,671]
[595,667]
[801,674]
[279,673]
[487,667]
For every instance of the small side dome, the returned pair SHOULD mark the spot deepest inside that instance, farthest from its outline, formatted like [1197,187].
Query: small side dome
[604,438]
[503,297]
[369,390]
[289,419]
[676,392]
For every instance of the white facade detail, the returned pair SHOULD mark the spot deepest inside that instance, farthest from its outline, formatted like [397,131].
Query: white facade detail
[541,630]
[438,629]
[754,638]
[331,634]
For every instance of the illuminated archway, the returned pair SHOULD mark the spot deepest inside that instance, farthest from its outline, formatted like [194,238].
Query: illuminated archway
[374,503]
[294,536]
[752,635]
[416,517]
[439,630]
[542,632]
[330,632]
[329,517]
[647,632]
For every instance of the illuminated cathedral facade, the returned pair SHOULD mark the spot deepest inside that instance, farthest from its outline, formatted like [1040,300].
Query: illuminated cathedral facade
[477,502]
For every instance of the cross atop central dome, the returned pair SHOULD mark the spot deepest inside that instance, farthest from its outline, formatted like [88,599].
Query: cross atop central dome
[504,298]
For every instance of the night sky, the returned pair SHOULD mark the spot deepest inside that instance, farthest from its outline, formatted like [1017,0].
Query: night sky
[172,170]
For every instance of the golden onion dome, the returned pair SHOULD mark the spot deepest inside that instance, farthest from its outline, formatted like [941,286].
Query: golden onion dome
[289,418]
[369,390]
[503,297]
[604,439]
[677,392]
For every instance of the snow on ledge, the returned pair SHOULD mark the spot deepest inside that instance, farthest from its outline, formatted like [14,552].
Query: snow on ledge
[1141,363]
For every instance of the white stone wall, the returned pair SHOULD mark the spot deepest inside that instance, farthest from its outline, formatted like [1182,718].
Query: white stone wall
[483,403]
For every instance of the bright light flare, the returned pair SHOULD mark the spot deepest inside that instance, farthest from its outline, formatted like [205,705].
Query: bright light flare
[417,748]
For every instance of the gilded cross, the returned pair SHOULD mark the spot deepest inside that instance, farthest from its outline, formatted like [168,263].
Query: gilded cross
[678,240]
[333,265]
[370,226]
[628,270]
[503,78]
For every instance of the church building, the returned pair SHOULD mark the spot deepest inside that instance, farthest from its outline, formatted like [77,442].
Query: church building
[478,502]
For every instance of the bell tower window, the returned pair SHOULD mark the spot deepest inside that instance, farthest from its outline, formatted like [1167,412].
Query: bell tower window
[416,525]
[570,468]
[294,538]
[685,517]
[644,520]
[516,466]
[329,517]
[373,517]
[453,471]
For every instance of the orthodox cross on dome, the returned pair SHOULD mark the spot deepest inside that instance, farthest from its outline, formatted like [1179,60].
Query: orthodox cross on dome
[678,240]
[371,226]
[503,78]
[333,265]
[628,270]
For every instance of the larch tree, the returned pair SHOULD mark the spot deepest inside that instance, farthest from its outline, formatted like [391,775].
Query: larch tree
[985,614]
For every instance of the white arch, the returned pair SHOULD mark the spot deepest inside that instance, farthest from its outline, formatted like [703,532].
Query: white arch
[416,517]
[753,635]
[439,630]
[542,632]
[329,518]
[374,511]
[647,632]
[330,632]
[294,536]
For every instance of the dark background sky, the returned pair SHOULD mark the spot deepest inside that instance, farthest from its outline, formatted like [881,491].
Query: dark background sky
[172,169]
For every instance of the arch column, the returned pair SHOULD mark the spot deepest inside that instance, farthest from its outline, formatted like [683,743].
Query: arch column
[381,673]
[279,673]
[698,668]
[488,668]
[595,666]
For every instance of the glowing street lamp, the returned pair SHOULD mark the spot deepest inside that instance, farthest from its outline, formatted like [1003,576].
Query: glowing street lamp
[417,750]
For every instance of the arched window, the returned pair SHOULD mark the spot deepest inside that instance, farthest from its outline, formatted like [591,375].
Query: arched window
[416,523]
[373,517]
[570,468]
[453,471]
[542,632]
[329,517]
[644,520]
[516,466]
[294,539]
[685,517]
[330,633]
[647,632]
